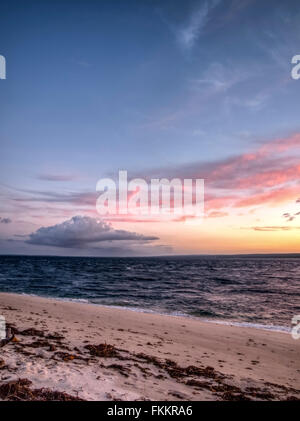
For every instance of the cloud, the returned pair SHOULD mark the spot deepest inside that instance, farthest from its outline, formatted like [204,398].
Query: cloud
[289,217]
[55,177]
[5,220]
[219,78]
[81,231]
[252,103]
[273,197]
[72,198]
[217,214]
[190,32]
[274,228]
[267,175]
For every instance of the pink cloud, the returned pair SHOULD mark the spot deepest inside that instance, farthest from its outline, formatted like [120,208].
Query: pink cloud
[266,176]
[217,214]
[273,197]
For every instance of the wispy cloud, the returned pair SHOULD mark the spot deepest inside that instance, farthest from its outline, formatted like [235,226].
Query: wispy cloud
[220,77]
[71,197]
[273,228]
[56,177]
[255,103]
[190,32]
[266,176]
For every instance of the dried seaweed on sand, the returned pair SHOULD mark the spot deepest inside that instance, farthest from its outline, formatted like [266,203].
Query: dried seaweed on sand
[19,390]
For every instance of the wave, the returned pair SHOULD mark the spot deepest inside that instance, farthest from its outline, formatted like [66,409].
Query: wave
[274,328]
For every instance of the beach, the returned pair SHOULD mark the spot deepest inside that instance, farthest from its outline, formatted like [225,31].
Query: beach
[93,352]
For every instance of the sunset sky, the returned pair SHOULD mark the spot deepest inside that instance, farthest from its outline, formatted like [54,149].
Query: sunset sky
[160,88]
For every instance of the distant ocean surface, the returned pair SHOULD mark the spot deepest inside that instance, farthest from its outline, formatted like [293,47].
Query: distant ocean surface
[243,290]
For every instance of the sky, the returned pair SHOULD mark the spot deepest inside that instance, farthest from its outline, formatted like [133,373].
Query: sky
[164,88]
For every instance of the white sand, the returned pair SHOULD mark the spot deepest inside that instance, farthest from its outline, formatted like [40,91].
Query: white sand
[242,357]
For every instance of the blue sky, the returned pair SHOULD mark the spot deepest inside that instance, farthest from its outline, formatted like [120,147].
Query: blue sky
[97,86]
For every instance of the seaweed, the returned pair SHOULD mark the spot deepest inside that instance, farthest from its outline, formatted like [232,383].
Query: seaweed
[2,364]
[19,390]
[121,369]
[103,350]
[32,332]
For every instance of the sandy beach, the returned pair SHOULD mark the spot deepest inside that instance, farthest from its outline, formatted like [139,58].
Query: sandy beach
[98,353]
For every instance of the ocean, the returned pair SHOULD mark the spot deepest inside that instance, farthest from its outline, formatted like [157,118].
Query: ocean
[248,290]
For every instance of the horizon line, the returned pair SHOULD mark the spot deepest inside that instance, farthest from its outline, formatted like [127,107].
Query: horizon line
[158,256]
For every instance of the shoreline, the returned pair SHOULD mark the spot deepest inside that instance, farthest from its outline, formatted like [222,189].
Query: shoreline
[147,355]
[253,325]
